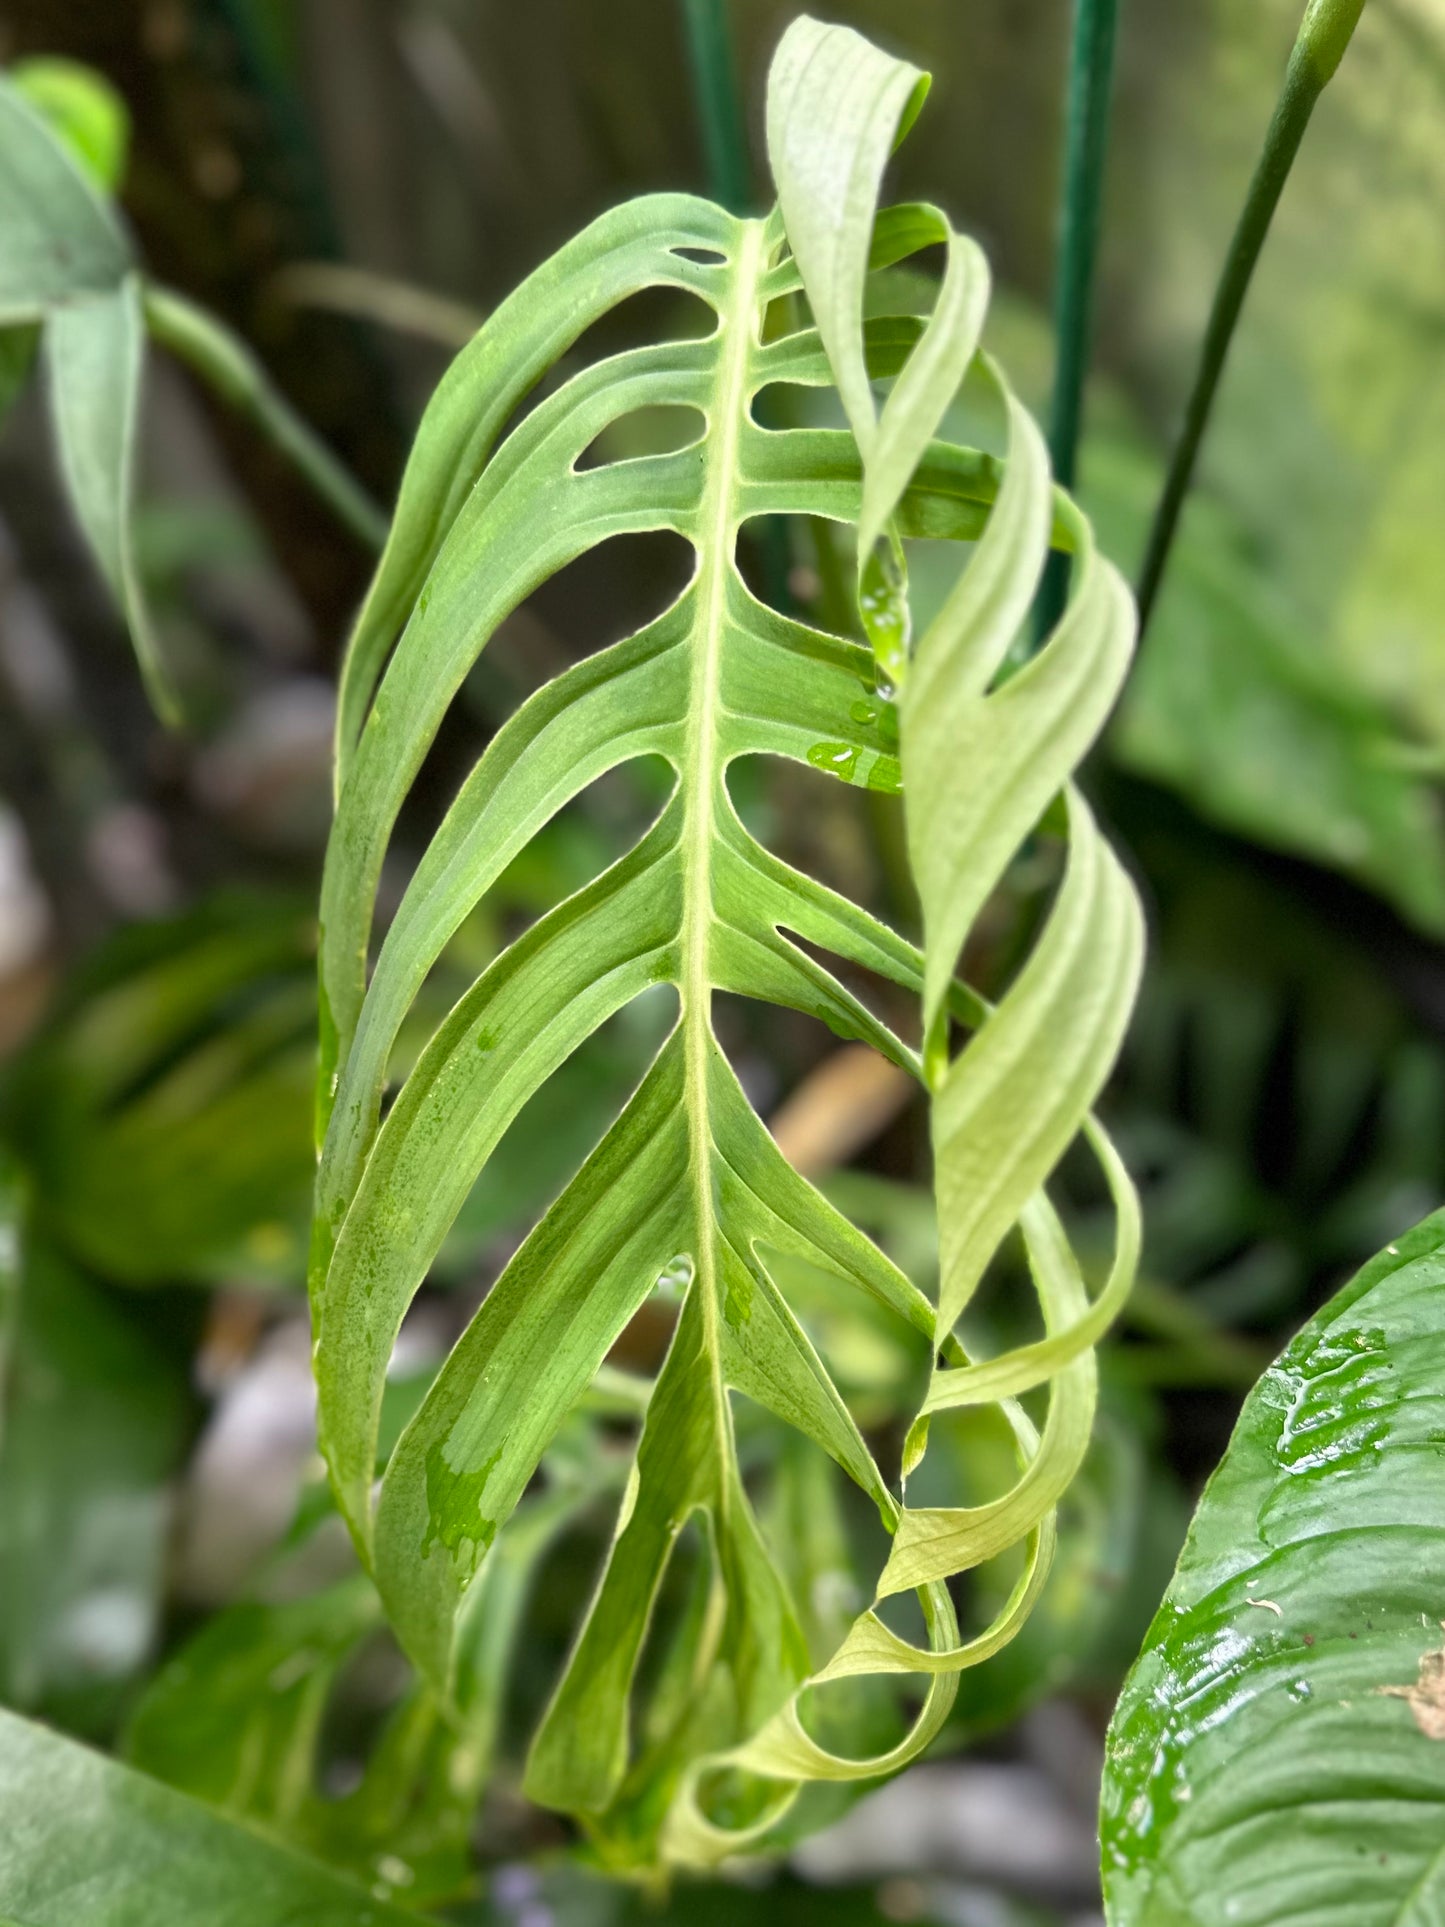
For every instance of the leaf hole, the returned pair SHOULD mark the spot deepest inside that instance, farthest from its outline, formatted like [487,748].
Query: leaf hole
[665,429]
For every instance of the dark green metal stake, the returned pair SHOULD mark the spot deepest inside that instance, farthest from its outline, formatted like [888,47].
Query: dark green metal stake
[1323,37]
[1086,138]
[719,103]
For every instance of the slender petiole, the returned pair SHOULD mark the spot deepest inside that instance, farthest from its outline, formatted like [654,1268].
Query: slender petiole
[1319,47]
[227,365]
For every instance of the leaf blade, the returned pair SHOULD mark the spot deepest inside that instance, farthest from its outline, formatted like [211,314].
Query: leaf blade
[1306,1602]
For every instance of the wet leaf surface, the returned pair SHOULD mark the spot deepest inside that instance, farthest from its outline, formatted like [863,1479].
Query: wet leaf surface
[1275,1756]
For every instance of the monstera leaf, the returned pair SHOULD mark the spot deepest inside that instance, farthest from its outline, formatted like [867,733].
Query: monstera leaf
[687,1195]
[1276,1755]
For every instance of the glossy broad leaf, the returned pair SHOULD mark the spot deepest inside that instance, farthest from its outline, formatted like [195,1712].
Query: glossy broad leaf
[1277,1758]
[88,1843]
[687,1194]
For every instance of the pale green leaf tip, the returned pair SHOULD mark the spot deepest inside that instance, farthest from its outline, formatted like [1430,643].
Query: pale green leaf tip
[85,113]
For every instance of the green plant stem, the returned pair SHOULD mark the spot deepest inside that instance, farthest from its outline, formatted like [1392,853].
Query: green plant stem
[227,365]
[719,103]
[1323,37]
[378,298]
[1091,68]
[1195,1350]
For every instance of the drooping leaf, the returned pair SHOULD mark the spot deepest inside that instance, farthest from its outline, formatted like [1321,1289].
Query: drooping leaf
[96,351]
[1278,1754]
[59,239]
[88,1843]
[687,1194]
[94,1415]
[66,263]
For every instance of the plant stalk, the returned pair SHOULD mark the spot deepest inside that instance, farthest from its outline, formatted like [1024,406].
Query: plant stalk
[1319,47]
[719,103]
[1086,139]
[227,365]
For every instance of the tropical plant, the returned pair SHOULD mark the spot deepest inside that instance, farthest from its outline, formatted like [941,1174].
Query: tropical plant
[687,1188]
[715,1498]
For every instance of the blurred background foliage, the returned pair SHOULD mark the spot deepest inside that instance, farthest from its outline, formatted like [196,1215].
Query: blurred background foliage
[352,184]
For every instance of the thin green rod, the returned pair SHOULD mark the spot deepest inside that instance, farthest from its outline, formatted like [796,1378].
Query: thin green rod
[1318,50]
[719,102]
[227,365]
[1086,140]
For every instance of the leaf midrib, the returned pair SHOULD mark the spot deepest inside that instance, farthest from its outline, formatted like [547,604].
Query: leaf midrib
[717,537]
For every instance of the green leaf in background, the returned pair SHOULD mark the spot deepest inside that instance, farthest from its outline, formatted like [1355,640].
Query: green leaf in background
[59,239]
[66,262]
[1298,638]
[165,1114]
[1278,1753]
[96,352]
[236,1717]
[1233,702]
[85,111]
[88,1843]
[94,1416]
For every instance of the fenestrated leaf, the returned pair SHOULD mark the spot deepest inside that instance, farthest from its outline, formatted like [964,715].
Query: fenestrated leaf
[1278,1755]
[687,1193]
[88,1843]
